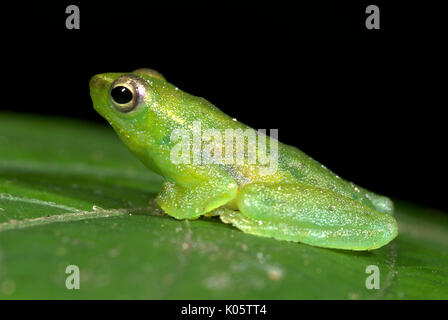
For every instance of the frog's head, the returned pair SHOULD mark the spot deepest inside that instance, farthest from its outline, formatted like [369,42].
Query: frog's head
[124,99]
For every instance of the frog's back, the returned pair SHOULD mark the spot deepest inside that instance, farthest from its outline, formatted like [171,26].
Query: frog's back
[293,166]
[309,171]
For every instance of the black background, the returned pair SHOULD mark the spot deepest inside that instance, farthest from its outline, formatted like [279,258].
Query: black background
[369,104]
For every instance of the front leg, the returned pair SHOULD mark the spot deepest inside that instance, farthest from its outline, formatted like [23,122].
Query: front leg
[189,201]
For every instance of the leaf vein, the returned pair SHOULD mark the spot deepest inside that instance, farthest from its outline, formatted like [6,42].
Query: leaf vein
[74,216]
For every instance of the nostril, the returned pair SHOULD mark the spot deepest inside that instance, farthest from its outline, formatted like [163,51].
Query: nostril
[103,81]
[96,81]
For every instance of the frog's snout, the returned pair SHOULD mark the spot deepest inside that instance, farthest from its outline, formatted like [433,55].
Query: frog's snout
[99,83]
[94,81]
[99,88]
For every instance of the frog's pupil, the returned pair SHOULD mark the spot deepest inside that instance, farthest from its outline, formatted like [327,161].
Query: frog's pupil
[121,95]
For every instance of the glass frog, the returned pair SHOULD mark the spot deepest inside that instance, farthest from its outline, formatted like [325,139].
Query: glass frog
[300,201]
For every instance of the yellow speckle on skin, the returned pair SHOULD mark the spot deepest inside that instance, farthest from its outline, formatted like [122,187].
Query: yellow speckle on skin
[174,116]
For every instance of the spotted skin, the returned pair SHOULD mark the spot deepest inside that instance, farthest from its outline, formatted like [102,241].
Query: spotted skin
[300,201]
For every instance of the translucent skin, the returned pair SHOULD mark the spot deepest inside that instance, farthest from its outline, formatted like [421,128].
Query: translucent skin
[302,201]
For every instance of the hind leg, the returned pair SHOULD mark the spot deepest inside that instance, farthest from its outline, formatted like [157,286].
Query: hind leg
[302,213]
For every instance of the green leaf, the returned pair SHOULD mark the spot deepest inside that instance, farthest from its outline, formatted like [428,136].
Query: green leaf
[71,194]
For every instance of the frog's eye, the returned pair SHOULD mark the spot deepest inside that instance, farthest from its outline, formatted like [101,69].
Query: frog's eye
[127,92]
[124,97]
